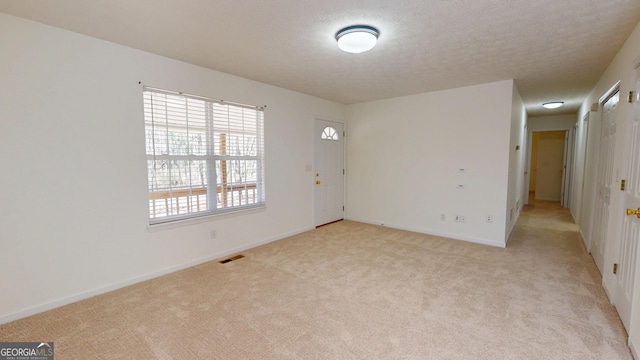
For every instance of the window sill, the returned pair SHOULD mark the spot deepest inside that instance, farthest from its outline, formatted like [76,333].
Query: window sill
[173,224]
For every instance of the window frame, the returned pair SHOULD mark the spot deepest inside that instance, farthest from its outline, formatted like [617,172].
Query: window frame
[330,133]
[214,185]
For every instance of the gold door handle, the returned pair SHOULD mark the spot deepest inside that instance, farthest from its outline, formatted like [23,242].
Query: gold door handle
[317,174]
[631,212]
[317,182]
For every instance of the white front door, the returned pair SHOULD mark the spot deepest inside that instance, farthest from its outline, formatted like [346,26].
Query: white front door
[604,179]
[329,168]
[629,234]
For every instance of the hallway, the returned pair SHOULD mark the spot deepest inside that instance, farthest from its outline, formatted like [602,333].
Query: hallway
[546,232]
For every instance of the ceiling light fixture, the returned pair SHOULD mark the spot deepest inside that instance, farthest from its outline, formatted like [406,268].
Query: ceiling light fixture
[553,104]
[357,38]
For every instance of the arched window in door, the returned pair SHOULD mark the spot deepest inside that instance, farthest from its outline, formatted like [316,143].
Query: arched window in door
[329,133]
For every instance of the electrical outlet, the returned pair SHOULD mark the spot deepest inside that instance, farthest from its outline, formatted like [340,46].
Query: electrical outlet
[460,219]
[489,219]
[443,217]
[213,234]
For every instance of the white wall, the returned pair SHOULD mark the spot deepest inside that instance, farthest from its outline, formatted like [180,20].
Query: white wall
[620,70]
[74,187]
[403,156]
[551,123]
[517,160]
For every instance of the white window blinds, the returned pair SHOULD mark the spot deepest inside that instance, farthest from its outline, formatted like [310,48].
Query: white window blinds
[204,156]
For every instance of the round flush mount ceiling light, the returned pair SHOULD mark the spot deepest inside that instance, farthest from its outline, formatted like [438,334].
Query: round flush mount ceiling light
[553,104]
[357,38]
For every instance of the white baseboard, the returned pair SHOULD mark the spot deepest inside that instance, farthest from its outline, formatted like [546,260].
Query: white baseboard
[634,352]
[105,289]
[548,199]
[584,240]
[511,227]
[573,217]
[431,232]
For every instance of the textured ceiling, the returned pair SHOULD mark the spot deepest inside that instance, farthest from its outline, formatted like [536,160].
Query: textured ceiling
[555,50]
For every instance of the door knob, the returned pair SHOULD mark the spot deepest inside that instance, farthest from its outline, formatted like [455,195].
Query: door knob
[317,182]
[632,212]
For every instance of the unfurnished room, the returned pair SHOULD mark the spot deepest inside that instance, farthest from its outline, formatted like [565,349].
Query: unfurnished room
[319,179]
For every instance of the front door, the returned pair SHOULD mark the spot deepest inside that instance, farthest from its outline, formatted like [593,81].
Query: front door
[604,179]
[629,234]
[329,168]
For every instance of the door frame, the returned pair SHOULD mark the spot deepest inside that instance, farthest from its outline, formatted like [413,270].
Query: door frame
[582,128]
[634,326]
[529,153]
[567,171]
[618,204]
[312,177]
[606,277]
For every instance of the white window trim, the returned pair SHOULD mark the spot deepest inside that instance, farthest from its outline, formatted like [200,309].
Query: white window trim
[176,221]
[187,221]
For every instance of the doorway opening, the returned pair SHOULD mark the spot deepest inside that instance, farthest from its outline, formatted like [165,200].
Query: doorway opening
[550,178]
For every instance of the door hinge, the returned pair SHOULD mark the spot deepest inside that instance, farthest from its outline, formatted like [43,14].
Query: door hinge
[630,99]
[615,269]
[342,207]
[623,184]
[342,171]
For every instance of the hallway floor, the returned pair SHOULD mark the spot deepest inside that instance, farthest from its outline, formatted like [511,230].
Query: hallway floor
[547,232]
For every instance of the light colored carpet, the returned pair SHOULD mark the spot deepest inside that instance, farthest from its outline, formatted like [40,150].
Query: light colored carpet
[356,291]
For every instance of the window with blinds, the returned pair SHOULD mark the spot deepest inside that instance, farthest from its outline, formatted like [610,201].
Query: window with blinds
[204,156]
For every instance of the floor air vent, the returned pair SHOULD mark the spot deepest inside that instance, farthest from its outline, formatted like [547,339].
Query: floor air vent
[231,259]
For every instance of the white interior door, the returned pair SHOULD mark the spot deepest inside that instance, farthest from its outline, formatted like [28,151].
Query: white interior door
[629,234]
[329,167]
[604,179]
